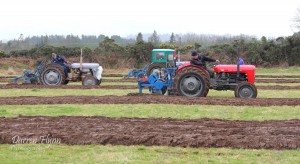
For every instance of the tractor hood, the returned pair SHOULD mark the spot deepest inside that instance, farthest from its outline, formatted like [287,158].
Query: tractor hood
[233,68]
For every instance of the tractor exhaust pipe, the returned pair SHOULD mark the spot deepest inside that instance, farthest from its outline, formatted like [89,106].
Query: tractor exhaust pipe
[80,60]
[238,64]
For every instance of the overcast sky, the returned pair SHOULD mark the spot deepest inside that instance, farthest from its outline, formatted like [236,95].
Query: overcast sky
[129,17]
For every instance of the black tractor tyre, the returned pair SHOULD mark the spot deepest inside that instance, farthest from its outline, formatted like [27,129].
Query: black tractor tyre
[191,82]
[154,66]
[53,74]
[245,90]
[99,81]
[66,82]
[89,80]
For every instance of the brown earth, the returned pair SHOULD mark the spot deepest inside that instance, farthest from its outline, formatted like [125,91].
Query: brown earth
[81,130]
[114,75]
[148,99]
[278,87]
[277,76]
[277,80]
[28,86]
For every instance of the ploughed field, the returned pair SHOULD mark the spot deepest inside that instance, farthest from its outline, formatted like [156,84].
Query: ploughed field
[148,99]
[149,131]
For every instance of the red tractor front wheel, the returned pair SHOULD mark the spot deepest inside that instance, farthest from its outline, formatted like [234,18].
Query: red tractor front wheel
[245,90]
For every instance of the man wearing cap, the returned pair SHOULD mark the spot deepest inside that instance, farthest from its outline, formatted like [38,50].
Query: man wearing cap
[61,61]
[199,59]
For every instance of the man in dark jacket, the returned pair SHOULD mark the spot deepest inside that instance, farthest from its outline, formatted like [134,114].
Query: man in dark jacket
[61,61]
[199,59]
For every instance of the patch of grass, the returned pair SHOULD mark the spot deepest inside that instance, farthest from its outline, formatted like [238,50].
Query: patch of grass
[29,153]
[155,111]
[278,71]
[119,92]
[104,77]
[106,83]
[280,84]
[120,83]
[261,93]
[116,71]
[64,92]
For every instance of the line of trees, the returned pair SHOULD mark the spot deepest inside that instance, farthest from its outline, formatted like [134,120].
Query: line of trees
[116,52]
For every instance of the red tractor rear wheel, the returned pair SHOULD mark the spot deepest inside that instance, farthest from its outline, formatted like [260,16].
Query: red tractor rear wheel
[245,90]
[191,82]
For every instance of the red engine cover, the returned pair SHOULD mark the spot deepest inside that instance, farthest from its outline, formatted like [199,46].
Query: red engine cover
[249,70]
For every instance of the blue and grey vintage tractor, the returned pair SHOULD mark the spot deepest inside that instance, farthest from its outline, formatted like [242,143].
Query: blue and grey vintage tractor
[60,74]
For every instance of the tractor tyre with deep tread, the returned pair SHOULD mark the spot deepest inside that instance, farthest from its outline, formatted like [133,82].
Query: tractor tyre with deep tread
[53,74]
[191,82]
[245,90]
[155,66]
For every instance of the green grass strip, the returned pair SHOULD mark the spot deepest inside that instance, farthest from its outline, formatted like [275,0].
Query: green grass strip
[140,154]
[155,111]
[120,92]
[278,71]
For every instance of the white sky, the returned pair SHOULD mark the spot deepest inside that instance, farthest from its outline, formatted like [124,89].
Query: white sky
[270,18]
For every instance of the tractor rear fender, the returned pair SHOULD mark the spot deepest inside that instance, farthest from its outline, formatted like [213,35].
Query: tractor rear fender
[188,64]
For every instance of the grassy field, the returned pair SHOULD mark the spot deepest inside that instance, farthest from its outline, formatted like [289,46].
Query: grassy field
[40,153]
[279,84]
[155,111]
[278,71]
[119,92]
[140,154]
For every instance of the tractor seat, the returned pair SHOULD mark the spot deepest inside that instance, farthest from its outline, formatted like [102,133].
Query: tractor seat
[85,65]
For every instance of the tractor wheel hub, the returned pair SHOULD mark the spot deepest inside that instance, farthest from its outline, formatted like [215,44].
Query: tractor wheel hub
[52,77]
[246,92]
[191,84]
[90,82]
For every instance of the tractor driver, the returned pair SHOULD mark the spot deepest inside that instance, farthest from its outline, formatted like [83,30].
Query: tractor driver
[199,59]
[58,59]
[61,61]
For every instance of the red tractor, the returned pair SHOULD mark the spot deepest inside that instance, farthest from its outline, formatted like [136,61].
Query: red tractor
[194,81]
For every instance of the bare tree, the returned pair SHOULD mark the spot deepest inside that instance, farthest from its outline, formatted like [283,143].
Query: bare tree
[297,19]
